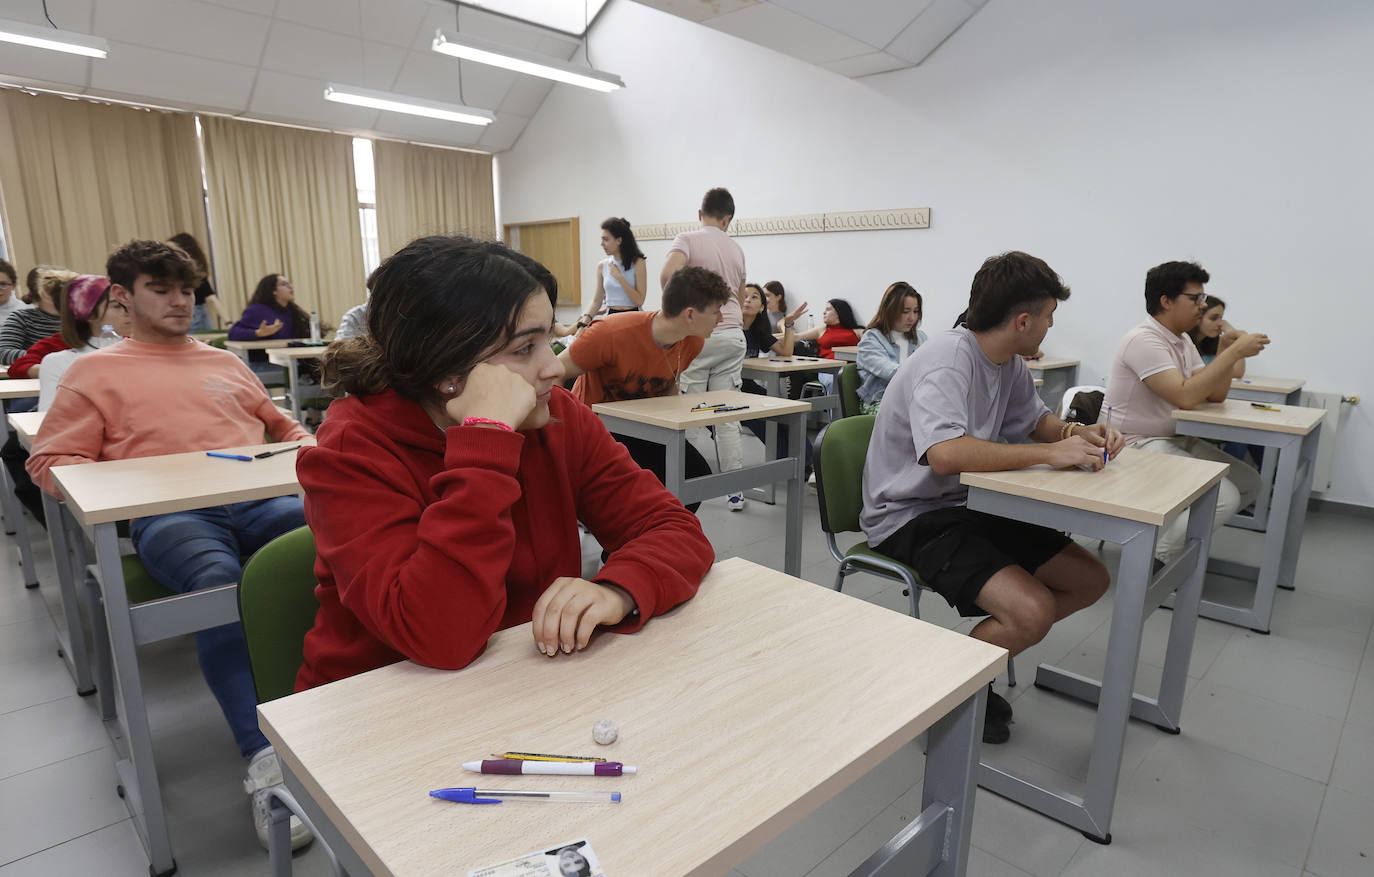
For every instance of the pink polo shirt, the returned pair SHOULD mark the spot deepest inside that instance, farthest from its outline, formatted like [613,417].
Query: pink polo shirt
[1148,349]
[709,247]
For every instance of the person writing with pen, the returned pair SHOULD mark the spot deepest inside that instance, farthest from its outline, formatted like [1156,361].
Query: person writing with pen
[475,467]
[161,392]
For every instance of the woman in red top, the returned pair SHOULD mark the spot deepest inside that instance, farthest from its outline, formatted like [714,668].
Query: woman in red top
[446,488]
[841,329]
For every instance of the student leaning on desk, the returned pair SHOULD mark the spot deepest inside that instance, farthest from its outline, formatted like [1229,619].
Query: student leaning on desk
[446,488]
[113,404]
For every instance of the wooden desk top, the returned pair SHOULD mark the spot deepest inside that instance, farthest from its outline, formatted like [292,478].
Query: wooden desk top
[269,344]
[1268,385]
[117,490]
[1291,419]
[19,388]
[26,425]
[674,412]
[1045,363]
[851,349]
[792,364]
[209,336]
[282,355]
[744,709]
[1138,485]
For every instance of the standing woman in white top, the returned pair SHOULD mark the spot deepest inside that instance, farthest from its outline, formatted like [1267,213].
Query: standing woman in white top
[621,277]
[888,341]
[86,309]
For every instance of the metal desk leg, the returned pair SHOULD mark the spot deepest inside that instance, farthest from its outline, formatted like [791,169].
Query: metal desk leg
[796,434]
[74,647]
[772,382]
[1297,510]
[937,841]
[675,461]
[137,773]
[323,829]
[14,520]
[293,379]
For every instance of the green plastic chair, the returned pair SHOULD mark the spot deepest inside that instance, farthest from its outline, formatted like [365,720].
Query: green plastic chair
[841,450]
[849,390]
[277,606]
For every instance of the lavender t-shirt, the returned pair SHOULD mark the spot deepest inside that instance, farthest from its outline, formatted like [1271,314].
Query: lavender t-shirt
[948,388]
[710,248]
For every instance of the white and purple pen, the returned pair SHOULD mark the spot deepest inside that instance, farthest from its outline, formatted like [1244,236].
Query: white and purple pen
[549,768]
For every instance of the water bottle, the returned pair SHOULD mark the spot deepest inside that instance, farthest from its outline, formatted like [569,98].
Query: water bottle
[314,327]
[107,336]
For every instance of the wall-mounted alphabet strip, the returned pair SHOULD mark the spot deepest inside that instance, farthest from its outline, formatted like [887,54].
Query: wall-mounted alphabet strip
[801,223]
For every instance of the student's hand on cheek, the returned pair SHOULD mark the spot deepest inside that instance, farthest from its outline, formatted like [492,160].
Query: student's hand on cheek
[566,614]
[490,391]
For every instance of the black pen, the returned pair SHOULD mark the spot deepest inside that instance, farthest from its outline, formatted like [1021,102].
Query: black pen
[265,454]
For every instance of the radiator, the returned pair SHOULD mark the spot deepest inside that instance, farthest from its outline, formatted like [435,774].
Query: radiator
[1334,403]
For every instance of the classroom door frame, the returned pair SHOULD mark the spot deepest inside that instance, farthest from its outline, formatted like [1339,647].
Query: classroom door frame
[569,289]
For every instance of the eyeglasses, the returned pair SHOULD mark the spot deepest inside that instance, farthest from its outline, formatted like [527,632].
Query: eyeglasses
[1197,297]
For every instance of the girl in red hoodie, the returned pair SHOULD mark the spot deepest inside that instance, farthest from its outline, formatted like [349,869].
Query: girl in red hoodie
[447,486]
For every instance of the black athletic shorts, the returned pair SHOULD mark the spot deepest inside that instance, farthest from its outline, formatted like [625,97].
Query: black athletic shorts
[956,551]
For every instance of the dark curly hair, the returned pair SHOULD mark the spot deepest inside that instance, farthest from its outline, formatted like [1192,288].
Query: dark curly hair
[692,287]
[158,260]
[1009,284]
[619,227]
[1169,280]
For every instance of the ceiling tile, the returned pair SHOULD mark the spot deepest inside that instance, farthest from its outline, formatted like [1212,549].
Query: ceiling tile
[874,22]
[396,22]
[39,65]
[698,10]
[159,75]
[340,16]
[287,97]
[929,30]
[66,14]
[502,134]
[307,51]
[526,96]
[481,24]
[184,27]
[435,76]
[425,130]
[260,7]
[787,32]
[866,65]
[381,65]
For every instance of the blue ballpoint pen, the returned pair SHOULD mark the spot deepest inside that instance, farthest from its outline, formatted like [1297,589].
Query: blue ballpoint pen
[242,457]
[473,795]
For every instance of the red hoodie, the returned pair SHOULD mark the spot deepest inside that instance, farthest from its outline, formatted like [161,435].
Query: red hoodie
[430,541]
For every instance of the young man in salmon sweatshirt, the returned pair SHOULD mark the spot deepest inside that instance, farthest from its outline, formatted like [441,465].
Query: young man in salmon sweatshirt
[162,392]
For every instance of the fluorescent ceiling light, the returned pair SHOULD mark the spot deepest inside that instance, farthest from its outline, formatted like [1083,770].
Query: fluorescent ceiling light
[523,61]
[53,39]
[399,103]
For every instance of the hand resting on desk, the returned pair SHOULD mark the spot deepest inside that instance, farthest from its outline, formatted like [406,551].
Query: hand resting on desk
[566,614]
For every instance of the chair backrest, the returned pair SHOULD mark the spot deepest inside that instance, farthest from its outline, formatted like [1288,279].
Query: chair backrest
[841,449]
[849,390]
[1085,416]
[277,605]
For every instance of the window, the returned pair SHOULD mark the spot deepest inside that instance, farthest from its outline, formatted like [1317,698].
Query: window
[366,176]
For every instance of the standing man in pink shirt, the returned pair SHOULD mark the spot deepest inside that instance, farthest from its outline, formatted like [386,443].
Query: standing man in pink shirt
[1157,368]
[718,365]
[161,392]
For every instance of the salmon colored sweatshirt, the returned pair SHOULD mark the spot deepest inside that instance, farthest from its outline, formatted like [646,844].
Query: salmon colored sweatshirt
[429,540]
[134,399]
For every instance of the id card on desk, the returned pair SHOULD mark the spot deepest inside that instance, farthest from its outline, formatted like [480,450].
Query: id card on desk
[572,859]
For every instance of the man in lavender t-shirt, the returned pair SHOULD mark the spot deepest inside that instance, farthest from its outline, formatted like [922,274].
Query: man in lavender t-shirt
[965,402]
[718,365]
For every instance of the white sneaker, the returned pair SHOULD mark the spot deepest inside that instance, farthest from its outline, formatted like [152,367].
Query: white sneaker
[264,772]
[736,502]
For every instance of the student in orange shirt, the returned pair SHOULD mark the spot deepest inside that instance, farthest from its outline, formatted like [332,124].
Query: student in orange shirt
[640,354]
[113,403]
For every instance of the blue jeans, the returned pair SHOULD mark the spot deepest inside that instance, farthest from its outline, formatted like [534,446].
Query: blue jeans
[188,551]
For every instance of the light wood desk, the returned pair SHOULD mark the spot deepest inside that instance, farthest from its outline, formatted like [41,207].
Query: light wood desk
[665,420]
[847,353]
[1292,434]
[1058,375]
[770,372]
[290,357]
[1274,391]
[1127,503]
[98,495]
[10,508]
[747,707]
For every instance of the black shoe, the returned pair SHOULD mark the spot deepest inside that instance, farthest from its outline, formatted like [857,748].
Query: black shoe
[995,732]
[998,710]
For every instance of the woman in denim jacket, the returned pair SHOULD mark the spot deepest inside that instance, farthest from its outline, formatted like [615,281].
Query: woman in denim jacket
[889,339]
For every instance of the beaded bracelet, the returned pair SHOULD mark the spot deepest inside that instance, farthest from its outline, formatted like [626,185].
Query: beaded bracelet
[486,421]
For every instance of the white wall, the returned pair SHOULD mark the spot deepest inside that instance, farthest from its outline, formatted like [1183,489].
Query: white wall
[1104,136]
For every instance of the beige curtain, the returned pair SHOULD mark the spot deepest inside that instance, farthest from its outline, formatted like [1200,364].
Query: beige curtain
[80,178]
[422,190]
[284,200]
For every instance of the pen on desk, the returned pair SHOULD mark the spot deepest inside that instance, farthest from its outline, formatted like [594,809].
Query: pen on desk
[550,768]
[543,756]
[244,457]
[1261,406]
[708,406]
[472,795]
[732,408]
[265,454]
[1107,435]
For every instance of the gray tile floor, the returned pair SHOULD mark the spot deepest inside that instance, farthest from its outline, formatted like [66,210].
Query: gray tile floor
[1272,775]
